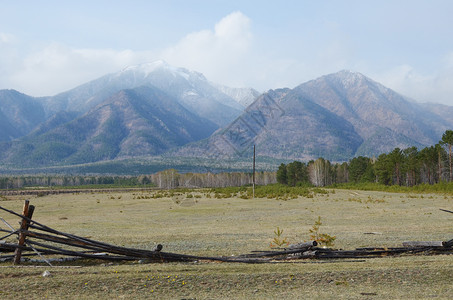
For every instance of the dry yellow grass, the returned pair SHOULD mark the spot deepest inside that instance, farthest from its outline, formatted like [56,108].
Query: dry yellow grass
[210,226]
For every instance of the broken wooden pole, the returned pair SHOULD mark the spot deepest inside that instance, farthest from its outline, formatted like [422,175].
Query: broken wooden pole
[28,213]
[303,245]
[423,244]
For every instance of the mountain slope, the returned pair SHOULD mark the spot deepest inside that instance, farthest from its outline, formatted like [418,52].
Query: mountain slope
[53,122]
[142,121]
[19,114]
[281,124]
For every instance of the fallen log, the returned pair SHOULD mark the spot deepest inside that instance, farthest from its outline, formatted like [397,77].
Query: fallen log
[448,244]
[359,253]
[274,253]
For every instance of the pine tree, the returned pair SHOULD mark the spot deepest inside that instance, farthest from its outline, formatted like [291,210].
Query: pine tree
[447,139]
[282,174]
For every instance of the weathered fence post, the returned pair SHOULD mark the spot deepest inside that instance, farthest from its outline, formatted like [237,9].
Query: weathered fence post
[28,213]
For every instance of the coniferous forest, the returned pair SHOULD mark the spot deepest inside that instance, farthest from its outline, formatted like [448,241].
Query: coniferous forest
[403,167]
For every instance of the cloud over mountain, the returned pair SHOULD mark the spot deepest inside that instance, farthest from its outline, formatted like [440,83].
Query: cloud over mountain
[244,45]
[219,52]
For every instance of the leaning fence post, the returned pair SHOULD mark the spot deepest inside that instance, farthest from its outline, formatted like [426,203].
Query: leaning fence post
[28,213]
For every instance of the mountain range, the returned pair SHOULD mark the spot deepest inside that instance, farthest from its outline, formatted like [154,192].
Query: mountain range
[337,116]
[155,109]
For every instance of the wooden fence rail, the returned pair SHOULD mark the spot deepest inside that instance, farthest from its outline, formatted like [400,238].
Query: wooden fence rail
[35,238]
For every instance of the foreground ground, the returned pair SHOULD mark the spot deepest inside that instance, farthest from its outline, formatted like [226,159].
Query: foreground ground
[199,223]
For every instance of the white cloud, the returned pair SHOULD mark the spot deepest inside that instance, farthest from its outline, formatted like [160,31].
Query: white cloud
[228,54]
[436,87]
[234,30]
[449,60]
[6,38]
[220,53]
[8,57]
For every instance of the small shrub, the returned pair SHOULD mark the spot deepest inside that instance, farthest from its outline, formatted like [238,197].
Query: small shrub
[371,200]
[320,191]
[321,238]
[279,240]
[354,200]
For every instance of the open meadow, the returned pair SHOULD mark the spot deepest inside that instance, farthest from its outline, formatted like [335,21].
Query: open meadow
[201,222]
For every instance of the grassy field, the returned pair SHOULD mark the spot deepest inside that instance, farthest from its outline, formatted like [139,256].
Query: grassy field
[196,222]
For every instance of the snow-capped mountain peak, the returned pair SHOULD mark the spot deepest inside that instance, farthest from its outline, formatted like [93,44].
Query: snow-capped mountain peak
[349,78]
[145,69]
[191,88]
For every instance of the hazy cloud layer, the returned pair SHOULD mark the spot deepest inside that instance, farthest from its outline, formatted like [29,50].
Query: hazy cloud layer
[57,67]
[231,52]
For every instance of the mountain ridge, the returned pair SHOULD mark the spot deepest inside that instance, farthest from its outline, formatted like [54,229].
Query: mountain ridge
[170,112]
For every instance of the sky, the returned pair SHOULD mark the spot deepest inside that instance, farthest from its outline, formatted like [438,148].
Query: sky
[48,47]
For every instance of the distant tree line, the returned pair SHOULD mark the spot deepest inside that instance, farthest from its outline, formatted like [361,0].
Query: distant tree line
[407,167]
[17,182]
[169,179]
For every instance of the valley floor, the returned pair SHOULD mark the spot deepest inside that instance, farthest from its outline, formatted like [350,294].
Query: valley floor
[195,222]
